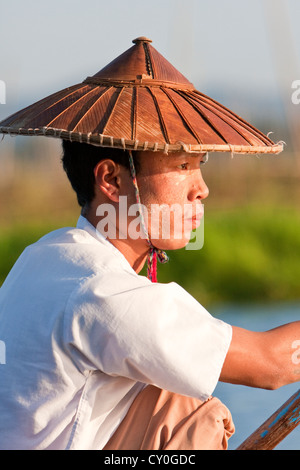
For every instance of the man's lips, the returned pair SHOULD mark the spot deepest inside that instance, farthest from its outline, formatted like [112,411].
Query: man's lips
[195,220]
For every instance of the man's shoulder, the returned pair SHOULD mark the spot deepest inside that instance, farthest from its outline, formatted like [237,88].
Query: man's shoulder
[65,235]
[78,251]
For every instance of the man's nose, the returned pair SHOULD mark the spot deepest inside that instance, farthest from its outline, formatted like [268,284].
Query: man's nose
[199,189]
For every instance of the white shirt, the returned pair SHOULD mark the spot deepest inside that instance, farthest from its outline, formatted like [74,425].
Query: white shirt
[83,335]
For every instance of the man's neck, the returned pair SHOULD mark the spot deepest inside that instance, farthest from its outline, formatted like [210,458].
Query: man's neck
[135,251]
[136,255]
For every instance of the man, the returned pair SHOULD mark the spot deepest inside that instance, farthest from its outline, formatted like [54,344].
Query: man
[99,357]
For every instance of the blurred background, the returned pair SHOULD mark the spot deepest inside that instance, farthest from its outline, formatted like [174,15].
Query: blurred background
[243,54]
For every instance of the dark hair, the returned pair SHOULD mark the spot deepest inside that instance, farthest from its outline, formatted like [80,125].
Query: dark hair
[79,161]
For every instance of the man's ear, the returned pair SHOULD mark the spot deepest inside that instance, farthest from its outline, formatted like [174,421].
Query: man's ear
[107,178]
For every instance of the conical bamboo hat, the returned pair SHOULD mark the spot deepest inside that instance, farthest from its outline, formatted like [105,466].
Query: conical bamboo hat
[139,101]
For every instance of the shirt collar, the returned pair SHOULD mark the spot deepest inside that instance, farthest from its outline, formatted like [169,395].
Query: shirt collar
[84,224]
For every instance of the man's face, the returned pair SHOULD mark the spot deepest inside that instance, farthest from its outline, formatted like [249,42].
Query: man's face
[172,190]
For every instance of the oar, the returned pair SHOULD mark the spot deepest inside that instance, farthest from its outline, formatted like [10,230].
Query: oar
[275,428]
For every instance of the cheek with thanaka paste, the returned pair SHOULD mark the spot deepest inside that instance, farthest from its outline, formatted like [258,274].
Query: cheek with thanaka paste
[165,205]
[163,191]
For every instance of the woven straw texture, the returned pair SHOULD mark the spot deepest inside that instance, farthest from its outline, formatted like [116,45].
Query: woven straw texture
[140,102]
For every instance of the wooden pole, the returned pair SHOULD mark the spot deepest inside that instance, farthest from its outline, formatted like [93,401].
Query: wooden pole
[276,428]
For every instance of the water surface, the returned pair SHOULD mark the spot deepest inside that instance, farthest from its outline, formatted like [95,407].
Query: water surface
[250,407]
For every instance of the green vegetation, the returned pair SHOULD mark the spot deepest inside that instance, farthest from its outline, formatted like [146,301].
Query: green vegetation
[250,254]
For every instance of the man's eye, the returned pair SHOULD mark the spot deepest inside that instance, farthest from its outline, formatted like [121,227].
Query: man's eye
[183,166]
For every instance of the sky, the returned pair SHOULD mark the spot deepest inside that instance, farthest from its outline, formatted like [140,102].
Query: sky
[241,51]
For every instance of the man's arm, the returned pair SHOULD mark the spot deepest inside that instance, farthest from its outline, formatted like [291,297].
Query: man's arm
[263,359]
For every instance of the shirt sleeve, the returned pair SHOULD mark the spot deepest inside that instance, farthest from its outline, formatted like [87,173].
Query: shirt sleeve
[153,333]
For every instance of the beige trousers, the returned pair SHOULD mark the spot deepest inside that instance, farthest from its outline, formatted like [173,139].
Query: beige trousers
[161,420]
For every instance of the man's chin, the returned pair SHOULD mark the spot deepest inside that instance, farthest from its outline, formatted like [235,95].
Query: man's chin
[169,245]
